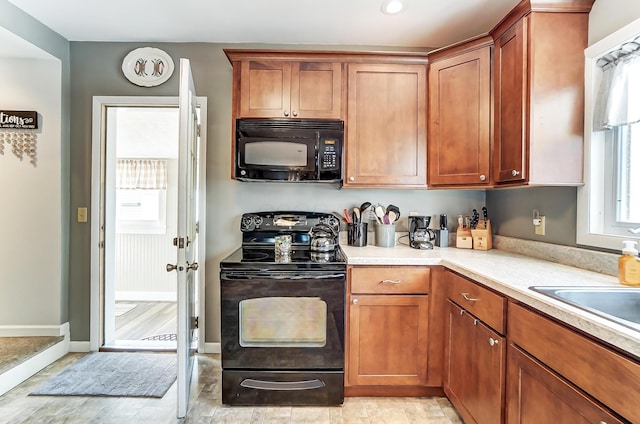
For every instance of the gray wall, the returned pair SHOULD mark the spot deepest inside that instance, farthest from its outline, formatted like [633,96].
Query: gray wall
[96,72]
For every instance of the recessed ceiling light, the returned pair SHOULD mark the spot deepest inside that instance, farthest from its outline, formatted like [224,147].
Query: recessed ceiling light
[392,7]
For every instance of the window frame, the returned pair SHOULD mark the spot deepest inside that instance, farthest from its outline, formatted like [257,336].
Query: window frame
[591,198]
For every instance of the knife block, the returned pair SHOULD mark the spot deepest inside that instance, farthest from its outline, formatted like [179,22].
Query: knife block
[464,239]
[482,236]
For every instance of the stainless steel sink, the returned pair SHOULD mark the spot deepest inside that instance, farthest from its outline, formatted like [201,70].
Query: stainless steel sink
[619,304]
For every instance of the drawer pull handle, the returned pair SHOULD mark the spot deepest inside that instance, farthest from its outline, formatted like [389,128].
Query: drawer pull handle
[492,341]
[467,298]
[391,281]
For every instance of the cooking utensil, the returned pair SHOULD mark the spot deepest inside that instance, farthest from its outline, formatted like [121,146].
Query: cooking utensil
[380,213]
[339,216]
[395,210]
[356,213]
[364,207]
[347,217]
[393,217]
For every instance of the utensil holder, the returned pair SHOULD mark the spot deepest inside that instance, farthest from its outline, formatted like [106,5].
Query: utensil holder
[357,234]
[385,235]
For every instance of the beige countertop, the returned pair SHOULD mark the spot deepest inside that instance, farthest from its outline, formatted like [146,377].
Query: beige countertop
[512,274]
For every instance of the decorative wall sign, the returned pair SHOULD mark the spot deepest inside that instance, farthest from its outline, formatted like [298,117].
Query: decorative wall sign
[147,66]
[19,119]
[17,130]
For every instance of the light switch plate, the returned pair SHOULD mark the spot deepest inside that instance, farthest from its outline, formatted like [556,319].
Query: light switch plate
[82,214]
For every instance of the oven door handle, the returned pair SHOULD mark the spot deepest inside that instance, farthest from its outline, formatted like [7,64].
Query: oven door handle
[251,383]
[279,276]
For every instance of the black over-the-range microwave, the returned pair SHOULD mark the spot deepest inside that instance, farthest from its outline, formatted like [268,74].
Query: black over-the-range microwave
[293,150]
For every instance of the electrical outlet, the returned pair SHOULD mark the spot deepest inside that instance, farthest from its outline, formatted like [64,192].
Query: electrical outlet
[539,229]
[82,214]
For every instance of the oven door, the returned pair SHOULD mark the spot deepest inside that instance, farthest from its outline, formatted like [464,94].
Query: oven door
[276,159]
[282,321]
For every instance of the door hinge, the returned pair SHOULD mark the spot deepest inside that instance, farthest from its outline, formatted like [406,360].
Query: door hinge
[197,227]
[195,321]
[198,131]
[178,242]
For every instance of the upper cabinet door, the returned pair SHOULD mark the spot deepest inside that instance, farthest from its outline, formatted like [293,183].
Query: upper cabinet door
[386,127]
[285,89]
[316,90]
[265,89]
[511,88]
[459,119]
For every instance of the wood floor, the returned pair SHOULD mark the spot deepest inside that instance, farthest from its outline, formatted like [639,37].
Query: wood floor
[17,407]
[145,320]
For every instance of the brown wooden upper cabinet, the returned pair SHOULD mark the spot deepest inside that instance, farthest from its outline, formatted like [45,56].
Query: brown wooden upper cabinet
[276,85]
[539,93]
[459,141]
[386,130]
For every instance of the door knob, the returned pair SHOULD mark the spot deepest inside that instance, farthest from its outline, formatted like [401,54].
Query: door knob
[171,267]
[193,266]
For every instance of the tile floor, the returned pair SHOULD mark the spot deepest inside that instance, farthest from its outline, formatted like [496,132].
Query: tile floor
[205,406]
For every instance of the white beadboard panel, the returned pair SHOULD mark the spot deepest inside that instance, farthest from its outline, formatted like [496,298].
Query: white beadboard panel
[141,261]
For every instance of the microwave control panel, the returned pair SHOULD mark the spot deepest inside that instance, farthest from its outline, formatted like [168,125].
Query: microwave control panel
[329,158]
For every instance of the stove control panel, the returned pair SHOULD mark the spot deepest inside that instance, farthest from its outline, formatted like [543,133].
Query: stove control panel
[286,221]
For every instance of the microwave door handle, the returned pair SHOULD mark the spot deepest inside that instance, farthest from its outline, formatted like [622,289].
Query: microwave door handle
[318,156]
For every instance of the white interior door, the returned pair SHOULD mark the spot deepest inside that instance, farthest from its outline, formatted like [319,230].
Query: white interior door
[187,238]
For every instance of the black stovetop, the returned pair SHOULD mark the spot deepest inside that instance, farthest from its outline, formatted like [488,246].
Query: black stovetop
[259,230]
[252,258]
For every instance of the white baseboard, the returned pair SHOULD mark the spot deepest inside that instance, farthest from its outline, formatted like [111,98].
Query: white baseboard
[34,330]
[16,375]
[80,347]
[212,348]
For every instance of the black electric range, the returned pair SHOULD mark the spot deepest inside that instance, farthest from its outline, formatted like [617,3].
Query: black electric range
[283,319]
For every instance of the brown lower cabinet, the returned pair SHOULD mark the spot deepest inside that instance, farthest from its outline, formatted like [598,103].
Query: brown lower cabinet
[536,394]
[558,371]
[388,331]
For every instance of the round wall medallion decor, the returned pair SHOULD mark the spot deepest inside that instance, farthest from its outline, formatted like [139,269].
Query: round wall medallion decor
[147,66]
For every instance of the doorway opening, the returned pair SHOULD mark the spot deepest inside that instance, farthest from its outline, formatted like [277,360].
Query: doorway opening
[138,206]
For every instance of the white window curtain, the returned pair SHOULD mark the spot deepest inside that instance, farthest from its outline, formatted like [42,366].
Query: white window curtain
[618,100]
[144,174]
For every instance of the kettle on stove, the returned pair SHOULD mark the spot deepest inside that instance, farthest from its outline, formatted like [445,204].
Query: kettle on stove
[323,238]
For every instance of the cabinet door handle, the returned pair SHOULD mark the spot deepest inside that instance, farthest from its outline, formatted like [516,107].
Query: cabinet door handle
[515,173]
[492,341]
[467,298]
[286,113]
[294,113]
[391,281]
[483,177]
[352,178]
[355,301]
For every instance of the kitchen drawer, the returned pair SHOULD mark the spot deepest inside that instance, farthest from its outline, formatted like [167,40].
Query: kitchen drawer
[390,280]
[484,304]
[609,377]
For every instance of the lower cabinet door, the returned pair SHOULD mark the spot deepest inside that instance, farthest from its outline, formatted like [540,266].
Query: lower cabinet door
[387,340]
[474,376]
[535,394]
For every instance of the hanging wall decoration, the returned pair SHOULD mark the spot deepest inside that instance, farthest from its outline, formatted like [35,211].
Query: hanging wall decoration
[17,129]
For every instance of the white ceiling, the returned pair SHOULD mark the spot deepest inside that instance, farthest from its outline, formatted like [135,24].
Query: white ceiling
[423,23]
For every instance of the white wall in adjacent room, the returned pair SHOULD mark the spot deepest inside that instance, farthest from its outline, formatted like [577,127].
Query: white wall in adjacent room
[30,199]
